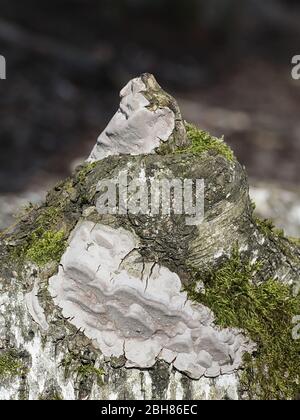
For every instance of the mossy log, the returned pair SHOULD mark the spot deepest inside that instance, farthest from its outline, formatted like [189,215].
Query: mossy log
[134,306]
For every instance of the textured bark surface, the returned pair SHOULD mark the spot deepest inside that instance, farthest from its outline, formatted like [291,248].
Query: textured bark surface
[46,354]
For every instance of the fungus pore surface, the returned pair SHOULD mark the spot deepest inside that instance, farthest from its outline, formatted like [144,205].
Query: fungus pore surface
[135,128]
[138,309]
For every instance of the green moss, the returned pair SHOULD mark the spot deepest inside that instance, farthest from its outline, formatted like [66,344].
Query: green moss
[73,364]
[48,247]
[41,234]
[287,246]
[266,227]
[86,371]
[84,171]
[253,205]
[265,313]
[295,241]
[47,240]
[49,217]
[201,141]
[9,366]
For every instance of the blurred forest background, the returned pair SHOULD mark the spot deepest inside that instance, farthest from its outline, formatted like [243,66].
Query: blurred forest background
[228,62]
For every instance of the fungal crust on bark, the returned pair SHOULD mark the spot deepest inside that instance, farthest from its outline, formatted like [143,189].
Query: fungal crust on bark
[116,305]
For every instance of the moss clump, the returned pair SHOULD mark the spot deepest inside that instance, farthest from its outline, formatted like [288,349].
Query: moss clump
[267,228]
[295,241]
[288,246]
[9,366]
[84,171]
[48,247]
[86,371]
[49,217]
[202,141]
[47,240]
[265,313]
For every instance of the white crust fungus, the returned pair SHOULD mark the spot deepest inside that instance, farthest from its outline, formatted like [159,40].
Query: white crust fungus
[135,128]
[138,309]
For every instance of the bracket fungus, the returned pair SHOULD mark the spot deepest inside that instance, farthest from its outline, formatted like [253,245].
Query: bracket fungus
[139,310]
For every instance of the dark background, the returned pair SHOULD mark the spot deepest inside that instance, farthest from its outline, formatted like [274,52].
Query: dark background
[228,63]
